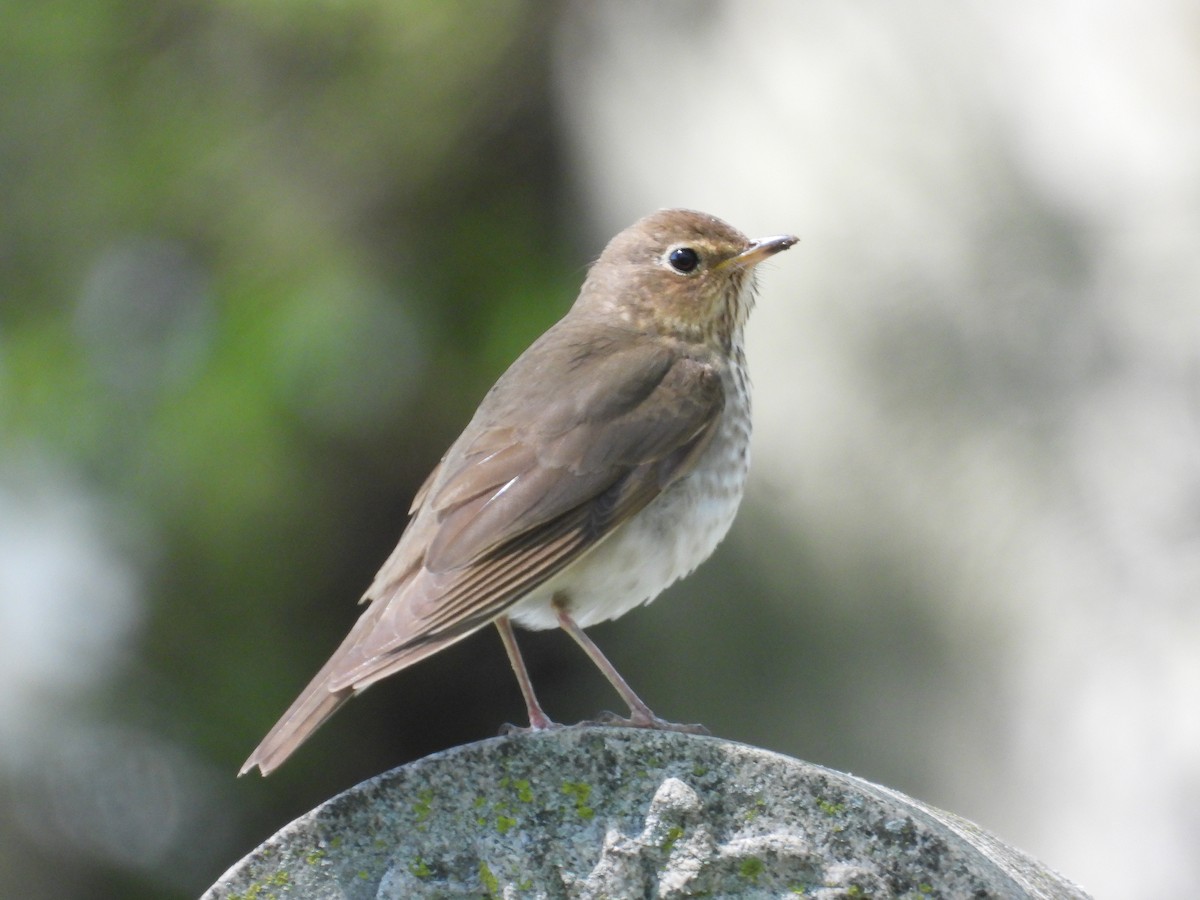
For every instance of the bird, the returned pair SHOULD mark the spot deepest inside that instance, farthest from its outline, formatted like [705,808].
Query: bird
[607,462]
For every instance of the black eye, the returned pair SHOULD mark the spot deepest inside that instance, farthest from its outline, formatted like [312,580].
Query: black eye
[683,259]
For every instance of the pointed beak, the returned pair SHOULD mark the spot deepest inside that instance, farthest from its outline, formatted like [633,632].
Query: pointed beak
[760,250]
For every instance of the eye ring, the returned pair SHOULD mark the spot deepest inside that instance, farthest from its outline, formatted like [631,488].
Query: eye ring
[683,260]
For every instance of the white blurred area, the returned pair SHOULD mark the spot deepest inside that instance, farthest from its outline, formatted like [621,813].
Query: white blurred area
[77,784]
[74,783]
[69,604]
[981,365]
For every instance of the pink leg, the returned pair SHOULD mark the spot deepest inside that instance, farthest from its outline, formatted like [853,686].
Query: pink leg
[639,713]
[537,716]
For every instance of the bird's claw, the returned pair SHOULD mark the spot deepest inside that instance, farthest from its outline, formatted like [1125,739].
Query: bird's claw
[508,728]
[638,719]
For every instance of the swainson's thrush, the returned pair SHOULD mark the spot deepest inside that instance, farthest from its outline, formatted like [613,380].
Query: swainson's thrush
[606,463]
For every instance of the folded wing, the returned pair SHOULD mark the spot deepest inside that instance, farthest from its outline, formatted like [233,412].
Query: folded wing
[545,471]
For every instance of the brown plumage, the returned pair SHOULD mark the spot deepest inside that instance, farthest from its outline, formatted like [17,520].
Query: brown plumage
[604,464]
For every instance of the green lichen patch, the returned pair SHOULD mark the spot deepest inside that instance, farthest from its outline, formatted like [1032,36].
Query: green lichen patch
[491,883]
[261,890]
[755,810]
[580,792]
[502,813]
[419,868]
[524,790]
[674,833]
[830,808]
[423,807]
[751,868]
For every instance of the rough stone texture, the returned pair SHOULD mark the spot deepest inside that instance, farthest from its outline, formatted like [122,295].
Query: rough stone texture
[596,812]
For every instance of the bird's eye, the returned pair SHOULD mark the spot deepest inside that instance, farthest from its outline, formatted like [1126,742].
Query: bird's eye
[683,259]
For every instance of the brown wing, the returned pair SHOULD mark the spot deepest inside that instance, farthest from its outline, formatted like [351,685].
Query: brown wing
[535,482]
[584,430]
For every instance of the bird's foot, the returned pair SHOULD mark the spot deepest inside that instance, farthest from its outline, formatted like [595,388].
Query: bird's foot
[543,724]
[645,719]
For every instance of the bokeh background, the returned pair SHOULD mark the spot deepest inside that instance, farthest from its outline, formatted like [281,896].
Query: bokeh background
[260,260]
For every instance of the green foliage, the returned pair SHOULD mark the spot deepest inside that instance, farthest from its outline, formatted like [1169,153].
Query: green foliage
[259,261]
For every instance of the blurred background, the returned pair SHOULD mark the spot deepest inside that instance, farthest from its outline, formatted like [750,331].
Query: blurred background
[260,261]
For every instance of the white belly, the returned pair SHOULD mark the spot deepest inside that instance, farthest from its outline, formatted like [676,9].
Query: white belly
[676,532]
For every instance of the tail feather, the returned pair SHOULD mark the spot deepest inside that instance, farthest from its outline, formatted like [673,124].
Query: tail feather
[303,717]
[320,700]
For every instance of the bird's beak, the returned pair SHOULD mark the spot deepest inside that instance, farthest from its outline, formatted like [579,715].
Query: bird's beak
[758,251]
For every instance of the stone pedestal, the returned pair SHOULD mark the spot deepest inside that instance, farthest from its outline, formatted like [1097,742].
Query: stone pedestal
[599,812]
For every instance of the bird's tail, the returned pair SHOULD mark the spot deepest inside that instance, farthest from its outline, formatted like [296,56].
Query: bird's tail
[328,691]
[316,704]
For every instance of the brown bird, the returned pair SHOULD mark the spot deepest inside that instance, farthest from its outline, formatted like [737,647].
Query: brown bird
[607,462]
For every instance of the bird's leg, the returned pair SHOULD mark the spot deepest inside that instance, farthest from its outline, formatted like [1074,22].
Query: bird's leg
[640,715]
[537,716]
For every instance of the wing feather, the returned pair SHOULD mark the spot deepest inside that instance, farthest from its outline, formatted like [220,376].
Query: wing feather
[525,498]
[547,469]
